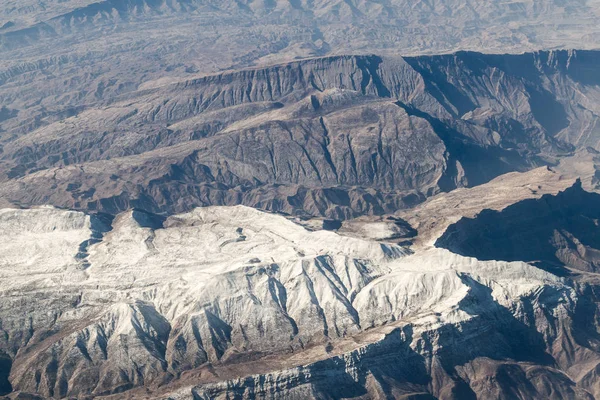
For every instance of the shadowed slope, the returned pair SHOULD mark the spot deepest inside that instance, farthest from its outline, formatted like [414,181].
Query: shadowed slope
[553,231]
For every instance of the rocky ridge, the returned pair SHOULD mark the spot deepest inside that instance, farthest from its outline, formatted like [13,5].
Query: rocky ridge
[337,137]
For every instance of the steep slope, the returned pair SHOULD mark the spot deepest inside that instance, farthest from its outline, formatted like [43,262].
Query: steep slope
[337,137]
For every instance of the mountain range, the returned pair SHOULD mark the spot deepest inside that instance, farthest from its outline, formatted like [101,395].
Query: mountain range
[337,137]
[299,199]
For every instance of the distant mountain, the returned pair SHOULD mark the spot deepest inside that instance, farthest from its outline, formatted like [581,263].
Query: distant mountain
[336,136]
[57,57]
[431,26]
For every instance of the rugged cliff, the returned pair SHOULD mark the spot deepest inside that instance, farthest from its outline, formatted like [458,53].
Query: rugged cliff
[337,137]
[551,231]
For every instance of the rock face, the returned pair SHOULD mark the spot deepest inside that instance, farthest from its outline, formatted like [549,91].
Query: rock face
[337,137]
[226,302]
[433,217]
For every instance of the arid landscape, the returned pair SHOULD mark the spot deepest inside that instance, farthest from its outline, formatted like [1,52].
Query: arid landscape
[296,199]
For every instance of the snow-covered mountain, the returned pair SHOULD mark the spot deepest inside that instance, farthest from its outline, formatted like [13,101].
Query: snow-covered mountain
[228,302]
